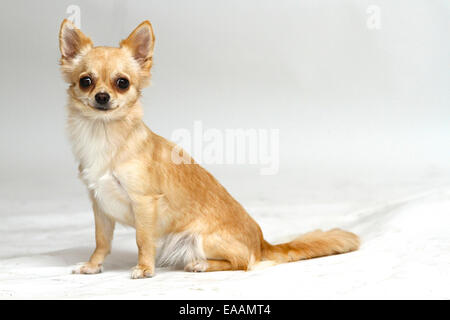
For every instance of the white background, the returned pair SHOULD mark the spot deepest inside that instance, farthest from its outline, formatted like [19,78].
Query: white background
[363,114]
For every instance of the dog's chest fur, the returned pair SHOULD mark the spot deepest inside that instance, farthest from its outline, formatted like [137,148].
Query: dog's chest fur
[95,150]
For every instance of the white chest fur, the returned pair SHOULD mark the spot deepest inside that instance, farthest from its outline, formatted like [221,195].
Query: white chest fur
[111,197]
[95,150]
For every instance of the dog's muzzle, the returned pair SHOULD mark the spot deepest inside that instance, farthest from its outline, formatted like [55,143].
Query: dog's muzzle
[102,99]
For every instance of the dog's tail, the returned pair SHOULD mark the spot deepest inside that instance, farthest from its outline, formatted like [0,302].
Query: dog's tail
[311,245]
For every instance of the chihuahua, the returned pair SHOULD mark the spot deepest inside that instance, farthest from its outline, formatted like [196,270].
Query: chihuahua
[182,215]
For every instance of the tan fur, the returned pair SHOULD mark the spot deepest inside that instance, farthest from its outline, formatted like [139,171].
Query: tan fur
[132,180]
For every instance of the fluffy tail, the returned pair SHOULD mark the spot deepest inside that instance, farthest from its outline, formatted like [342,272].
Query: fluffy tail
[311,245]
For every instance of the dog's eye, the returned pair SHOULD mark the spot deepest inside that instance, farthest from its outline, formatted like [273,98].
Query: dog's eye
[122,83]
[85,82]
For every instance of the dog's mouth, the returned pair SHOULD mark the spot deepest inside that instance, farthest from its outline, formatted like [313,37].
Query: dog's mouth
[105,107]
[102,107]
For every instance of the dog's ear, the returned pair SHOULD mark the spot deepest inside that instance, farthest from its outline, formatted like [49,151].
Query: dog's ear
[72,41]
[141,42]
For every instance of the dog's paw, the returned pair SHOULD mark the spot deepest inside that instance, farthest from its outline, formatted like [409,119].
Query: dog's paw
[196,266]
[141,272]
[87,268]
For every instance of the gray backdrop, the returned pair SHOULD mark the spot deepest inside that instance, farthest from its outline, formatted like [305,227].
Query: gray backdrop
[357,108]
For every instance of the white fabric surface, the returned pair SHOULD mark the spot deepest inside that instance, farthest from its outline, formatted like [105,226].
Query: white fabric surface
[405,253]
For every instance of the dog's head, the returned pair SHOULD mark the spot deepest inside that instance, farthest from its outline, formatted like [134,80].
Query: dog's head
[105,82]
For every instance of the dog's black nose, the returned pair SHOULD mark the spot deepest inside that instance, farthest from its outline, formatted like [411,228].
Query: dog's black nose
[102,97]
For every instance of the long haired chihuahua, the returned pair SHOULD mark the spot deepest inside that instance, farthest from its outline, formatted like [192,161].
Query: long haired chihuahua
[182,215]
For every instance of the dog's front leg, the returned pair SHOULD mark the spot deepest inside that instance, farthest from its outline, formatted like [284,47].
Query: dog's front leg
[145,214]
[104,229]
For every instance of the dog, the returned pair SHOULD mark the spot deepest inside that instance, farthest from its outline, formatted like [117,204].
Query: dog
[182,215]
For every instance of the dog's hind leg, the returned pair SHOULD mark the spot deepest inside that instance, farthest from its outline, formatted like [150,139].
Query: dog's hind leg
[208,265]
